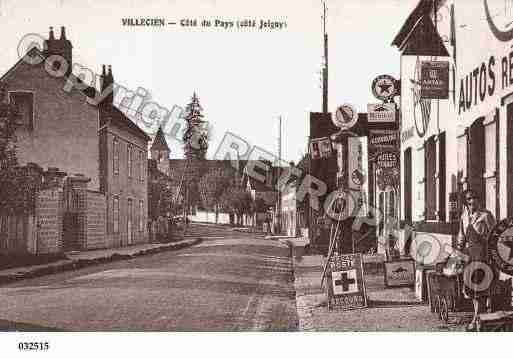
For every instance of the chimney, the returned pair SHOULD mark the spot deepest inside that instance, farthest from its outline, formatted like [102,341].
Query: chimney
[107,80]
[63,33]
[61,47]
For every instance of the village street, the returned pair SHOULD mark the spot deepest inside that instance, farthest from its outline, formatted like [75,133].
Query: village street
[232,281]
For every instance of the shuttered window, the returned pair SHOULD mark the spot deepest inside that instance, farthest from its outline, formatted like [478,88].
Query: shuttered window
[115,214]
[418,202]
[141,216]
[476,158]
[490,173]
[430,184]
[462,159]
[441,177]
[407,185]
[115,157]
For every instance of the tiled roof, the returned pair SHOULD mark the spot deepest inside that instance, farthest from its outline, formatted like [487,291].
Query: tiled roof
[159,142]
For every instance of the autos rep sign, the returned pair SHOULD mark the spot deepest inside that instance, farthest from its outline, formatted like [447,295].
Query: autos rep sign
[381,113]
[434,83]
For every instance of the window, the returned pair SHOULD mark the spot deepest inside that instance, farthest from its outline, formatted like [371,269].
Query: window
[115,156]
[462,160]
[490,173]
[115,214]
[420,188]
[407,185]
[141,216]
[141,166]
[441,176]
[24,102]
[476,158]
[430,184]
[129,159]
[129,221]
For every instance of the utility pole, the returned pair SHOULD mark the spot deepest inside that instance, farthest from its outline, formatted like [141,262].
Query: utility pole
[278,214]
[325,64]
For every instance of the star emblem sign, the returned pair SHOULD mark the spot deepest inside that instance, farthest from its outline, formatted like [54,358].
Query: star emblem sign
[384,87]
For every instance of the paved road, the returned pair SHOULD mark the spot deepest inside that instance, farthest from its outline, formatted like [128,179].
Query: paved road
[232,281]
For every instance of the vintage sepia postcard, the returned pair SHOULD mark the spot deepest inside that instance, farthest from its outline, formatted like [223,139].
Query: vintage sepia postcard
[240,166]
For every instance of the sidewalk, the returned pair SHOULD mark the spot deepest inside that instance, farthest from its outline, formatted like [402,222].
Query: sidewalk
[83,259]
[389,309]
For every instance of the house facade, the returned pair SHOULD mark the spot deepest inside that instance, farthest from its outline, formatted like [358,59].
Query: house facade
[461,141]
[123,173]
[58,128]
[104,201]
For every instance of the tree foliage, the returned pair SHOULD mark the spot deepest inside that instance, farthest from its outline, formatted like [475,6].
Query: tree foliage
[18,186]
[212,186]
[163,197]
[195,137]
[236,200]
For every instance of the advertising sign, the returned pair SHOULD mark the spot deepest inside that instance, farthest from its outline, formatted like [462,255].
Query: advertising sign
[400,273]
[434,83]
[356,161]
[384,87]
[501,246]
[381,112]
[345,117]
[387,159]
[346,289]
[320,148]
[383,140]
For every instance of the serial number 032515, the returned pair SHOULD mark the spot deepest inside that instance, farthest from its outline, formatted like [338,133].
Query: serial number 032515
[33,346]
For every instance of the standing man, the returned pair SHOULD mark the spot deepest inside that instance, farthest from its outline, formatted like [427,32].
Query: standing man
[475,225]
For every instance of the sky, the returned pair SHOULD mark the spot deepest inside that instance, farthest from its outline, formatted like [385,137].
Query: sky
[245,79]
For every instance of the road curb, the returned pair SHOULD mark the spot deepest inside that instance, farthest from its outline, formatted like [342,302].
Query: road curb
[75,264]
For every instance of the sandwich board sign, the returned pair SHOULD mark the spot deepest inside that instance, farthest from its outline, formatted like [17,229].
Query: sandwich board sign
[345,286]
[400,273]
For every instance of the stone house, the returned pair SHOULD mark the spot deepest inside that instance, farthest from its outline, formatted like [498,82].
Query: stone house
[104,152]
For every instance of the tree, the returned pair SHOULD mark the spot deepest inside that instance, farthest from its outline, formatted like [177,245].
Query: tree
[195,137]
[212,186]
[237,201]
[163,197]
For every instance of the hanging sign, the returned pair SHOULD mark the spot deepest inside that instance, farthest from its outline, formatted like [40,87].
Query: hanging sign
[434,83]
[345,116]
[346,289]
[384,87]
[381,112]
[320,148]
